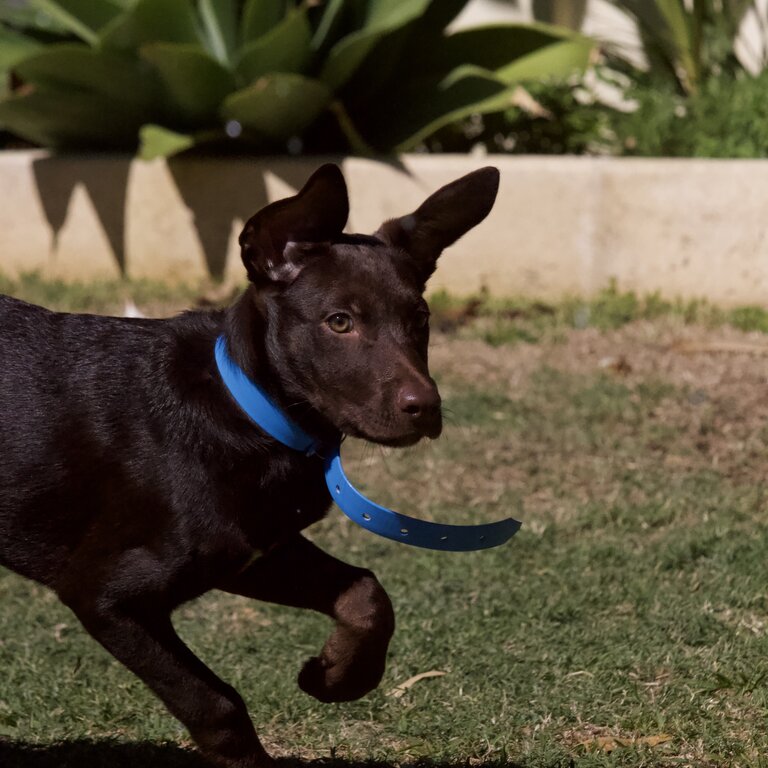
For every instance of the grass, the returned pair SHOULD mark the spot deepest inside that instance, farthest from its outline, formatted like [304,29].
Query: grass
[101,296]
[509,321]
[495,321]
[625,625]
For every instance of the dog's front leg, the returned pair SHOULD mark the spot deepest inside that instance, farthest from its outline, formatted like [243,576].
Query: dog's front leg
[142,637]
[299,574]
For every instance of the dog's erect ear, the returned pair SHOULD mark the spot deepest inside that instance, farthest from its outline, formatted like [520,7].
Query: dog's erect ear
[276,242]
[443,218]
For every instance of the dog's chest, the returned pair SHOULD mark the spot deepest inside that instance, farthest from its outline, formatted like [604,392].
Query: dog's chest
[289,495]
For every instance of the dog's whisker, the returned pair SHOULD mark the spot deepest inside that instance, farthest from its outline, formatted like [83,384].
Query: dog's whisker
[297,404]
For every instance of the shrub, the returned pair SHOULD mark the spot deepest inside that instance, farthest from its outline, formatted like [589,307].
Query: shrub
[696,99]
[365,75]
[726,117]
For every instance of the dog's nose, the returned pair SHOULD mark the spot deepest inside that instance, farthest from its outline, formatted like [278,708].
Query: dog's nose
[421,401]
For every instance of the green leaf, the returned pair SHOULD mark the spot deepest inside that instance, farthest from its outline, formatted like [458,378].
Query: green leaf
[439,15]
[675,15]
[259,17]
[487,63]
[14,47]
[156,141]
[121,34]
[681,36]
[55,117]
[504,47]
[553,61]
[346,56]
[563,13]
[357,144]
[75,67]
[470,72]
[168,21]
[278,106]
[285,49]
[667,36]
[404,51]
[384,17]
[736,10]
[26,18]
[195,83]
[82,17]
[422,110]
[329,23]
[152,21]
[220,24]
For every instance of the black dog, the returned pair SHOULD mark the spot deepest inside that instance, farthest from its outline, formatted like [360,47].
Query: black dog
[130,481]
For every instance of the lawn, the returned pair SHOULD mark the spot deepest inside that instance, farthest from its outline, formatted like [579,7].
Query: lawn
[625,625]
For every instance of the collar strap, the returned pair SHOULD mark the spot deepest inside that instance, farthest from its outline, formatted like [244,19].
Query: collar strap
[410,530]
[259,406]
[267,415]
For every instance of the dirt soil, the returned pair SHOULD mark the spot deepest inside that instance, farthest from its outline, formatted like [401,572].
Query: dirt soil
[725,361]
[721,373]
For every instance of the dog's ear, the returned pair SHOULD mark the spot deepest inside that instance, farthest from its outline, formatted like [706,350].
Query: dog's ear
[443,218]
[277,241]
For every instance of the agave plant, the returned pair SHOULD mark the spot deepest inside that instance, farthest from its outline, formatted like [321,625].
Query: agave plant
[689,42]
[167,75]
[685,41]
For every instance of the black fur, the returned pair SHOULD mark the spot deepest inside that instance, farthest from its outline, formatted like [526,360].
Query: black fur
[130,482]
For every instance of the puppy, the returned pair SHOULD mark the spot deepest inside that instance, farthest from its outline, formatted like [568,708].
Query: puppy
[131,481]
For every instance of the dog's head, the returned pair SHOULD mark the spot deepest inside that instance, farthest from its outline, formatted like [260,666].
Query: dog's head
[346,326]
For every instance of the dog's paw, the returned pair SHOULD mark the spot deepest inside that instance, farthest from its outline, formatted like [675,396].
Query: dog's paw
[317,678]
[328,682]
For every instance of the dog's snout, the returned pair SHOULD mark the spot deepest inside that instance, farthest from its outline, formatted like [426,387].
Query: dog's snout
[421,402]
[418,400]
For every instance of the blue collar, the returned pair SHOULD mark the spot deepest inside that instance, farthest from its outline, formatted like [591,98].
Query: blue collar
[260,408]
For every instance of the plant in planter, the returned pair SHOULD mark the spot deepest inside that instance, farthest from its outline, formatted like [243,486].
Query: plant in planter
[167,75]
[702,95]
[696,97]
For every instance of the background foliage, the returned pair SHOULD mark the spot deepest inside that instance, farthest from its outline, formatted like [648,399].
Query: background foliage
[376,76]
[339,75]
[701,91]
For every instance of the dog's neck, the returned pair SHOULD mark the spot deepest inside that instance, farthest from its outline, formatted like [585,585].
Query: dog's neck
[246,329]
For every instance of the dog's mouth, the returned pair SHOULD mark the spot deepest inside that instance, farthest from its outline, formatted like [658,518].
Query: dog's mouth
[384,424]
[401,438]
[397,442]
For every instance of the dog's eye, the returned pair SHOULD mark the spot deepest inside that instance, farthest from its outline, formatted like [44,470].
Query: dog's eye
[340,322]
[421,318]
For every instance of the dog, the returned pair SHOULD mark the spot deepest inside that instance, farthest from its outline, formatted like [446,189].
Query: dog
[131,481]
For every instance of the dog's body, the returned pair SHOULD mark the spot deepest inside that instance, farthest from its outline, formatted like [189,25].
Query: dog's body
[131,482]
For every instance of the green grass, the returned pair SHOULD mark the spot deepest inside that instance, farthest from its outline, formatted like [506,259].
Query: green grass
[102,297]
[631,605]
[509,321]
[496,321]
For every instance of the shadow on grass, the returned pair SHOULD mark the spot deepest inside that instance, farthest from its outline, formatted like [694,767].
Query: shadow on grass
[97,754]
[113,754]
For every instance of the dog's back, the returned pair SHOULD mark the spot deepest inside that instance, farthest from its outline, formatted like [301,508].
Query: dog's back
[73,389]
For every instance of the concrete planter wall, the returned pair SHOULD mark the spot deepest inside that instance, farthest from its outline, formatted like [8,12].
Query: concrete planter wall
[688,228]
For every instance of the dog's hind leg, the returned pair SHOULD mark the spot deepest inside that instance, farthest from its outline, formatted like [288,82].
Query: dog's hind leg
[144,640]
[299,574]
